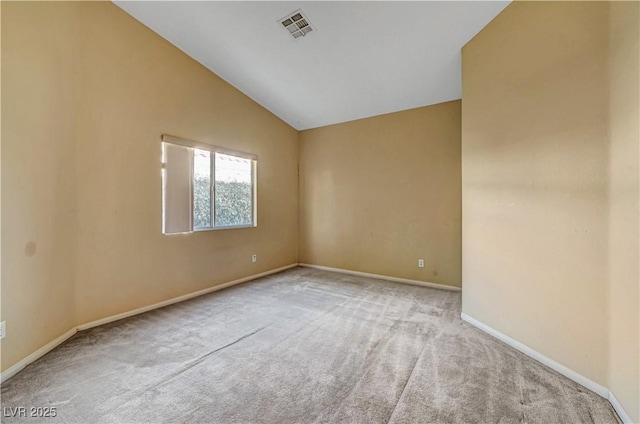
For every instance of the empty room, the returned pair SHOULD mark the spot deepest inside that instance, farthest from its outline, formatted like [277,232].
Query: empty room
[320,211]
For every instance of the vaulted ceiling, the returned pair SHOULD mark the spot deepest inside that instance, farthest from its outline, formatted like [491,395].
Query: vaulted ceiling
[363,58]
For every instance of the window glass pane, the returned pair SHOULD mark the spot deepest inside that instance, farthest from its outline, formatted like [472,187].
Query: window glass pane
[233,191]
[201,188]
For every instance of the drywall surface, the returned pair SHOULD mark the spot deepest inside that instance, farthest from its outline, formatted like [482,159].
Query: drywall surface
[624,214]
[535,157]
[1,314]
[87,93]
[39,188]
[138,86]
[378,194]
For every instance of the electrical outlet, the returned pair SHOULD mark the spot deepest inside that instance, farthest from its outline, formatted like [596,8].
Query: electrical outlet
[420,263]
[3,329]
[254,258]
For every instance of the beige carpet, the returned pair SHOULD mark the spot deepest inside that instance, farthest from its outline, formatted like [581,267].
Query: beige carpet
[297,347]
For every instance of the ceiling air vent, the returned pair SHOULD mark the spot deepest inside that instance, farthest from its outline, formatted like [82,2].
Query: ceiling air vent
[296,24]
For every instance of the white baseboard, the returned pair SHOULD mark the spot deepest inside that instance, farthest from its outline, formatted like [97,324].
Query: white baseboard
[13,370]
[556,366]
[182,298]
[383,277]
[626,419]
[19,366]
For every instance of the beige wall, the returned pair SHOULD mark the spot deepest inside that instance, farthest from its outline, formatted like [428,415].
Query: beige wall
[39,187]
[550,184]
[377,194]
[548,198]
[535,149]
[87,93]
[624,214]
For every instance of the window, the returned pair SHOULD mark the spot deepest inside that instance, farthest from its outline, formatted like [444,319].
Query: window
[206,187]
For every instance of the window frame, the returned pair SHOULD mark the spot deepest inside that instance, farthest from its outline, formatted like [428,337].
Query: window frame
[166,138]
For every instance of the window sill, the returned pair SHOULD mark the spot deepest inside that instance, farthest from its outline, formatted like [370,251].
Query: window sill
[231,227]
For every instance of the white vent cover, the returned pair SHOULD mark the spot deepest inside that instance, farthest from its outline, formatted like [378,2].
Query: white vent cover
[296,24]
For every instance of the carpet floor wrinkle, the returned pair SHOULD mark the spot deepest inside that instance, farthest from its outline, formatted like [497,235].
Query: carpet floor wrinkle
[300,346]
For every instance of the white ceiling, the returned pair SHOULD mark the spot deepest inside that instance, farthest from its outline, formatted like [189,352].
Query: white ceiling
[364,58]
